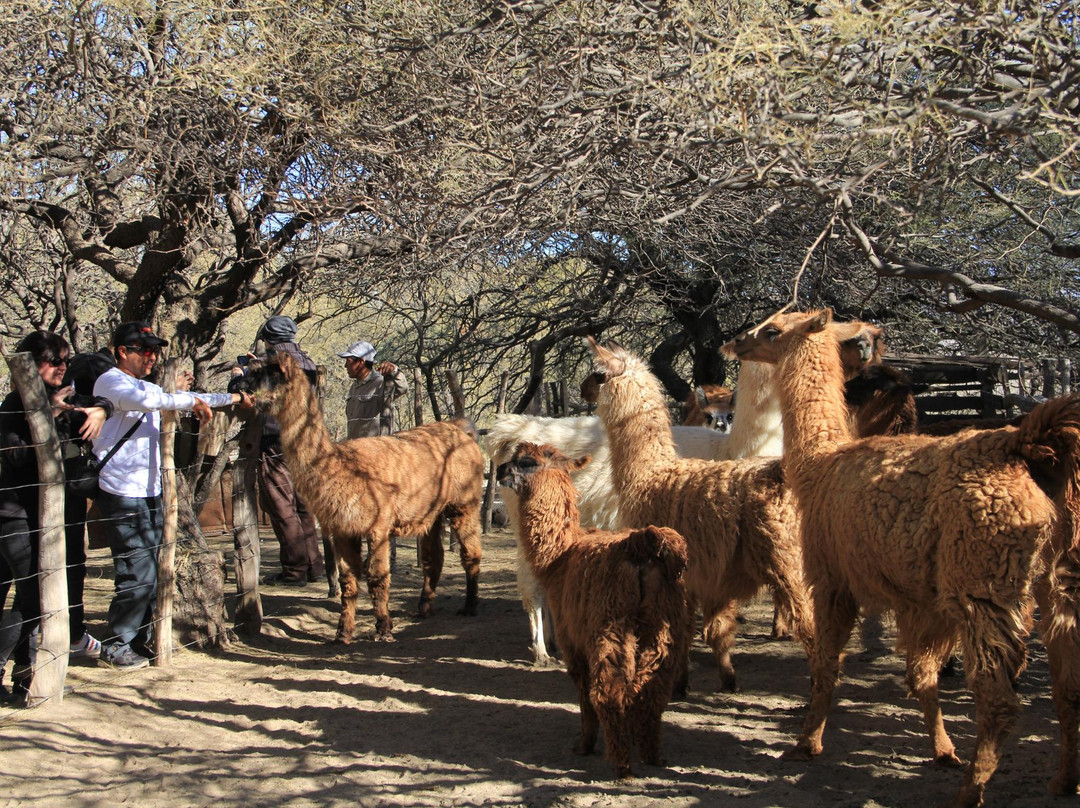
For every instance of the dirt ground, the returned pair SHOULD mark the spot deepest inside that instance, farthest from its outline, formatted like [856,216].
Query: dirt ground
[453,714]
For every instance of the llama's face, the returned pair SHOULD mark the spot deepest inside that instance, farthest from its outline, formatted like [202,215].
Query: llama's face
[769,341]
[265,380]
[717,405]
[865,348]
[519,472]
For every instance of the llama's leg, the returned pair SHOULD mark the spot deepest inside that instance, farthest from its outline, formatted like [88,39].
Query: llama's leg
[578,669]
[618,737]
[720,625]
[835,614]
[467,528]
[431,560]
[650,705]
[927,647]
[994,650]
[1060,629]
[350,559]
[781,620]
[682,665]
[378,582]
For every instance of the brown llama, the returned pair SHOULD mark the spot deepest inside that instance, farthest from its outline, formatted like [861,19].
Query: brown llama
[710,405]
[950,533]
[736,516]
[617,601]
[365,491]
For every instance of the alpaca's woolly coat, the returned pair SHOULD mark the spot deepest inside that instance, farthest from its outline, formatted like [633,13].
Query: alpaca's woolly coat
[737,517]
[618,605]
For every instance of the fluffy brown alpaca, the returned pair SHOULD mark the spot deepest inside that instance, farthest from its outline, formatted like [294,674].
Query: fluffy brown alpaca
[736,516]
[948,532]
[366,490]
[709,405]
[617,600]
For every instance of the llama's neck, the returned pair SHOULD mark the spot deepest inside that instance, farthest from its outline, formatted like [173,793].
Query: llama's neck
[758,426]
[304,438]
[638,424]
[548,518]
[811,383]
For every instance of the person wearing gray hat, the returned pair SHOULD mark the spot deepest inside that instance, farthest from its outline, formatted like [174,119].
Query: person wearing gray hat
[301,554]
[369,405]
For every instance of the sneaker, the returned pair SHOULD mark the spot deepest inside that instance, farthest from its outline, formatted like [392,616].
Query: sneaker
[281,579]
[86,648]
[126,660]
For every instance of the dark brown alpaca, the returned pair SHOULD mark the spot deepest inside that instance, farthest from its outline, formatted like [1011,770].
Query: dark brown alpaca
[617,600]
[367,490]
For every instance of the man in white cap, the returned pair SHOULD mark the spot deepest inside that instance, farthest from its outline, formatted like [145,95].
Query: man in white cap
[369,407]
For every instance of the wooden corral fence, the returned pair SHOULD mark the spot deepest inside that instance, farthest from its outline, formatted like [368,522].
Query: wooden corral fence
[981,386]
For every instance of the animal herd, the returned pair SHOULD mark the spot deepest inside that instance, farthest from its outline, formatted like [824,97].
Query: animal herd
[821,488]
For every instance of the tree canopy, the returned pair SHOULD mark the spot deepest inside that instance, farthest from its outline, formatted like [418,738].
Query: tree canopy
[504,176]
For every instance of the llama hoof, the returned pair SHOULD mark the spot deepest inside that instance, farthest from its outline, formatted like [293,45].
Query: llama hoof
[383,637]
[657,761]
[1063,785]
[467,611]
[623,772]
[799,752]
[424,612]
[948,760]
[728,685]
[583,749]
[341,639]
[780,634]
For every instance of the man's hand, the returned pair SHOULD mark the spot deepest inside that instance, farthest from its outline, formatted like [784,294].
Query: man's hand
[184,380]
[58,400]
[95,419]
[202,410]
[386,368]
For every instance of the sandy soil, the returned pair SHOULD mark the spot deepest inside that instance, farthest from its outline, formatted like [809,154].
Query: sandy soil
[454,714]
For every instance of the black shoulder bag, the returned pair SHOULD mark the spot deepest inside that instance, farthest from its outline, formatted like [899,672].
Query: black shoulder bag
[81,472]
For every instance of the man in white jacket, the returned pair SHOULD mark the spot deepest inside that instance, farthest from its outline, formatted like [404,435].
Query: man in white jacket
[130,498]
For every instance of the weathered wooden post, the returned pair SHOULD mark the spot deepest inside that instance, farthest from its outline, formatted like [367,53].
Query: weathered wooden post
[1048,374]
[489,493]
[52,655]
[1065,374]
[247,550]
[418,398]
[163,633]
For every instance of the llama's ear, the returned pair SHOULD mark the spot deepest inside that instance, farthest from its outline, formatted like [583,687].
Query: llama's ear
[820,320]
[579,463]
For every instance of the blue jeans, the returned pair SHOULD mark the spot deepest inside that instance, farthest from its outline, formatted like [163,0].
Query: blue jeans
[134,528]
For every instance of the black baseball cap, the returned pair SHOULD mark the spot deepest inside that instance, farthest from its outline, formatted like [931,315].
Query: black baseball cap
[137,333]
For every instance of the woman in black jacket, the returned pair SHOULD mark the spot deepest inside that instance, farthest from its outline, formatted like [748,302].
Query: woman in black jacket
[78,418]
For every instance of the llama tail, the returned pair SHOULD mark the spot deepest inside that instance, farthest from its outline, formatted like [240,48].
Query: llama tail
[1049,439]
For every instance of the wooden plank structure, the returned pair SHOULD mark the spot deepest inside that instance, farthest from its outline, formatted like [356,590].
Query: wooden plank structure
[980,386]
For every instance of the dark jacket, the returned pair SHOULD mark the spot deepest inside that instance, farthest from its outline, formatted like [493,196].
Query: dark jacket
[271,434]
[18,458]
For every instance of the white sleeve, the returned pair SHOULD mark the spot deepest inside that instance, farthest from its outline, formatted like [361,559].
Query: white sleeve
[127,395]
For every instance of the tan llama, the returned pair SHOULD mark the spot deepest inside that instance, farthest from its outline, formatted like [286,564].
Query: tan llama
[366,490]
[617,601]
[951,533]
[737,516]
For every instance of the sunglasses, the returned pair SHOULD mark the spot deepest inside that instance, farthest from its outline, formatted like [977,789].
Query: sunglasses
[56,363]
[140,349]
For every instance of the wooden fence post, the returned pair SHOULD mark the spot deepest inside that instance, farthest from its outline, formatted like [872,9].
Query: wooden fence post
[53,648]
[247,550]
[1048,372]
[1065,373]
[163,639]
[418,398]
[489,493]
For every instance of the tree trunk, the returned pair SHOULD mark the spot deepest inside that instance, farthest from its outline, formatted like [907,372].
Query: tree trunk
[199,618]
